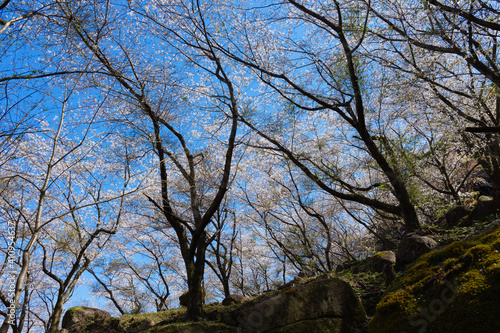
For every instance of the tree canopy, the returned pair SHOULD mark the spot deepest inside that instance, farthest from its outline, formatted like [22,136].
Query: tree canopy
[149,148]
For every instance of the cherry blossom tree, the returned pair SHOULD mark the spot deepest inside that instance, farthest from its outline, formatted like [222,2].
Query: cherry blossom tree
[16,19]
[152,92]
[298,222]
[159,145]
[68,252]
[142,268]
[221,251]
[449,49]
[305,79]
[58,201]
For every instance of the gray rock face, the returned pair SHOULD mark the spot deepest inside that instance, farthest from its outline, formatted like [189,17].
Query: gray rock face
[383,258]
[413,246]
[321,305]
[233,299]
[384,262]
[77,318]
[454,215]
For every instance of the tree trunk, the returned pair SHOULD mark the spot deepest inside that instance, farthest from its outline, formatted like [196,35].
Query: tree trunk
[225,285]
[408,212]
[195,304]
[55,318]
[490,162]
[5,326]
[494,167]
[196,270]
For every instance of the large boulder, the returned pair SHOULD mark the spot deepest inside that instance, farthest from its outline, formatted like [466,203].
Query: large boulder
[320,305]
[482,210]
[324,304]
[78,318]
[413,246]
[233,299]
[454,215]
[383,258]
[184,298]
[384,262]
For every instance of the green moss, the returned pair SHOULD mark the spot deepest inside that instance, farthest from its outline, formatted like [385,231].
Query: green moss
[439,292]
[71,312]
[450,262]
[290,291]
[472,283]
[448,236]
[401,300]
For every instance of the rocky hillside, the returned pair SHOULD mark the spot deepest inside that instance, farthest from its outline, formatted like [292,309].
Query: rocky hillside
[323,304]
[454,288]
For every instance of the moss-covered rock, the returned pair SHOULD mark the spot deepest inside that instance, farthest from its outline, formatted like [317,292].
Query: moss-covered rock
[369,276]
[323,304]
[454,289]
[81,318]
[319,305]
